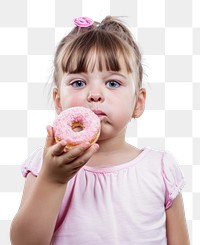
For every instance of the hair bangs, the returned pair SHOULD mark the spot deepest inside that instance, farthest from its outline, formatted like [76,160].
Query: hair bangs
[96,50]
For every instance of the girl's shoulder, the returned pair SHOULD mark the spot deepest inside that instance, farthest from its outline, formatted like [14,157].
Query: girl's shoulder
[165,165]
[33,163]
[161,157]
[172,176]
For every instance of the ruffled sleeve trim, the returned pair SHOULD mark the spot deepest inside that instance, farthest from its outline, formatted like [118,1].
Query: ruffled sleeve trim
[173,178]
[33,163]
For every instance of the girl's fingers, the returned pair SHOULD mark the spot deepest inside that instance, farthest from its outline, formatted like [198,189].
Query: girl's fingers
[75,152]
[58,148]
[83,155]
[89,153]
[78,155]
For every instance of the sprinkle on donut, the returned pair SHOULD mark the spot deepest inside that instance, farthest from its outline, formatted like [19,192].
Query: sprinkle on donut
[77,125]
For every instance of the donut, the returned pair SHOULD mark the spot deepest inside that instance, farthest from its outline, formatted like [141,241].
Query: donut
[76,125]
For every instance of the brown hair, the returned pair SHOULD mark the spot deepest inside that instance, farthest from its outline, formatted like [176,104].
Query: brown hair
[109,42]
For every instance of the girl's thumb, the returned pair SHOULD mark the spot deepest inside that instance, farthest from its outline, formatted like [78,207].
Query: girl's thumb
[50,136]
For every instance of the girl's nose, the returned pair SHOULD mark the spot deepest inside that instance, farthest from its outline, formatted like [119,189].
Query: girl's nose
[95,97]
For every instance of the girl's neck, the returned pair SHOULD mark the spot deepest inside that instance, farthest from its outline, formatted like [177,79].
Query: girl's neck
[113,152]
[112,144]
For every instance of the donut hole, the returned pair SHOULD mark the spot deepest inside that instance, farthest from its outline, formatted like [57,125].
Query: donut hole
[77,126]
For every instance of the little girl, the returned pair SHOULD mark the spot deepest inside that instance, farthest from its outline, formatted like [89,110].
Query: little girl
[108,193]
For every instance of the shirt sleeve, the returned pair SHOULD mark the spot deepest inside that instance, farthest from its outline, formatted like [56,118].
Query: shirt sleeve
[173,178]
[33,163]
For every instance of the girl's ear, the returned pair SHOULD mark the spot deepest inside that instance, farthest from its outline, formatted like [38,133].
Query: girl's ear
[56,99]
[140,103]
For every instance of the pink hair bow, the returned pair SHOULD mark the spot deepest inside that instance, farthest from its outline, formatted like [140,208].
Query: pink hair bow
[83,21]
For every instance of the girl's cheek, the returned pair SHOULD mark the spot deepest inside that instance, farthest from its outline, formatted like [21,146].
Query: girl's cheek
[78,100]
[74,101]
[77,103]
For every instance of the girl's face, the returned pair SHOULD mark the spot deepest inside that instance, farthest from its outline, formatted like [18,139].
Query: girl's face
[110,95]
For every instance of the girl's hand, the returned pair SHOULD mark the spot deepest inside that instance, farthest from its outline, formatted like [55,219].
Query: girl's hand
[61,164]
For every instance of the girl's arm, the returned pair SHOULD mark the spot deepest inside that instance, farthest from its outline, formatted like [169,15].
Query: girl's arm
[35,221]
[177,233]
[37,215]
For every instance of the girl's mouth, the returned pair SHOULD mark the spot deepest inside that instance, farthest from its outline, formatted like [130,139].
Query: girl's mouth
[99,113]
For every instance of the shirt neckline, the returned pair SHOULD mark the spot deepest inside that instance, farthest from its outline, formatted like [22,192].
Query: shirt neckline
[121,166]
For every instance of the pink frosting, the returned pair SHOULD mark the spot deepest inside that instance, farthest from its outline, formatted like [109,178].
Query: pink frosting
[62,125]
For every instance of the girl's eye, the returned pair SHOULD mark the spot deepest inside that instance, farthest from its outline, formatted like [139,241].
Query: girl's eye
[113,84]
[78,84]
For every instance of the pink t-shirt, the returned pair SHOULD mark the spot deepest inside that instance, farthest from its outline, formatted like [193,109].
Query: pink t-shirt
[120,205]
